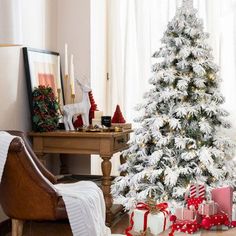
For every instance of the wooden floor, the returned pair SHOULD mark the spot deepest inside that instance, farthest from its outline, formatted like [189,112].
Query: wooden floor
[63,229]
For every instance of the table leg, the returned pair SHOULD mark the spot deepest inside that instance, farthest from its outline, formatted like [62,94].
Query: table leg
[106,187]
[63,167]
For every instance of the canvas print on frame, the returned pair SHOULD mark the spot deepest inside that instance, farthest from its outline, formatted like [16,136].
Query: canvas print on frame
[43,68]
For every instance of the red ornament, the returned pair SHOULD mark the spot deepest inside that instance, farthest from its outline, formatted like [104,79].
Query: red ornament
[206,223]
[173,218]
[118,117]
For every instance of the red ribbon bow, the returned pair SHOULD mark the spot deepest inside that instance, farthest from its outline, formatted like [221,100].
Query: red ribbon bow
[162,207]
[143,206]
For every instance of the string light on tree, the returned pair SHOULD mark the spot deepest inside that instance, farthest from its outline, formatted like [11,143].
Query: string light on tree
[199,142]
[211,76]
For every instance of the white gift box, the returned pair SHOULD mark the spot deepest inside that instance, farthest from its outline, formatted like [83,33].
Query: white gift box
[234,213]
[155,222]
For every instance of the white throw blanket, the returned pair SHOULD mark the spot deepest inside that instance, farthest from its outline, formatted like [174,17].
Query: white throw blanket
[84,200]
[5,141]
[85,207]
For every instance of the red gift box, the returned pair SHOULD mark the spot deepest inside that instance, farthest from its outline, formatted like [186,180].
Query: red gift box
[218,219]
[185,226]
[208,208]
[194,202]
[224,198]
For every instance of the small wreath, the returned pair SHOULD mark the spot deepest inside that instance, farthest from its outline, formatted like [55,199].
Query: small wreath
[45,109]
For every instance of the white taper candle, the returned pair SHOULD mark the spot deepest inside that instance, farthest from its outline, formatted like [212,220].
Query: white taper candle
[58,73]
[72,74]
[66,59]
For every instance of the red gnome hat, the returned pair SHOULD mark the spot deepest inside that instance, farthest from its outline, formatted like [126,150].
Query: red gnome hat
[118,117]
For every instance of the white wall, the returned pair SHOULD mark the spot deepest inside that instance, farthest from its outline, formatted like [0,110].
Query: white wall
[14,111]
[73,28]
[39,23]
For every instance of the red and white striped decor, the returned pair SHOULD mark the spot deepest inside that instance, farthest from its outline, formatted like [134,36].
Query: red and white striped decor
[197,190]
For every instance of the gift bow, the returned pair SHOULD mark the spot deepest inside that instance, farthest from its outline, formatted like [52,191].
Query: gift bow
[161,207]
[157,208]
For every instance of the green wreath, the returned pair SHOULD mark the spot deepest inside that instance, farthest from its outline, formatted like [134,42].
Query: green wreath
[45,109]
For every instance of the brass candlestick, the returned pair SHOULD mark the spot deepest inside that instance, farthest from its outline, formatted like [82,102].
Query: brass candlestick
[67,98]
[59,99]
[59,96]
[73,98]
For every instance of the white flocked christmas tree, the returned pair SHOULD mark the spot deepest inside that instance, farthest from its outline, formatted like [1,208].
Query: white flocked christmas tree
[179,138]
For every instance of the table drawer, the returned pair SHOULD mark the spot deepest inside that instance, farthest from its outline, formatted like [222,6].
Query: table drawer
[121,142]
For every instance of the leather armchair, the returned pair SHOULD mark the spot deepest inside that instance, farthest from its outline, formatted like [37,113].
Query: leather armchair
[24,193]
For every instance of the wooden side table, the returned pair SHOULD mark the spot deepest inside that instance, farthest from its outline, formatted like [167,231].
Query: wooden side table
[68,142]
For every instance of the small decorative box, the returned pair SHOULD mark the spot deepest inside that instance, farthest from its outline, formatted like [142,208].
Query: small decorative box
[196,190]
[208,208]
[186,214]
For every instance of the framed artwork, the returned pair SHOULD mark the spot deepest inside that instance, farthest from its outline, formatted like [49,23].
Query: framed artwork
[43,68]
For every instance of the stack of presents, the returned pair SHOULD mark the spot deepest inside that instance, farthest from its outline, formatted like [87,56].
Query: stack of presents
[215,213]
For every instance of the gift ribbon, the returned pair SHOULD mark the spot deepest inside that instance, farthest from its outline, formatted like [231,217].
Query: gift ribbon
[162,207]
[127,231]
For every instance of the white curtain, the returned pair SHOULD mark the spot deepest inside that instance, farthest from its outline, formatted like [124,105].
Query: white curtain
[135,28]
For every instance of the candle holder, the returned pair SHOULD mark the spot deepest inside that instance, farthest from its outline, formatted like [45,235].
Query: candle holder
[67,98]
[59,100]
[59,96]
[66,77]
[72,98]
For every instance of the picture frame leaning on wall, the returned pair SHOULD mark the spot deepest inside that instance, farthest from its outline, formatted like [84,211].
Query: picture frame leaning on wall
[42,67]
